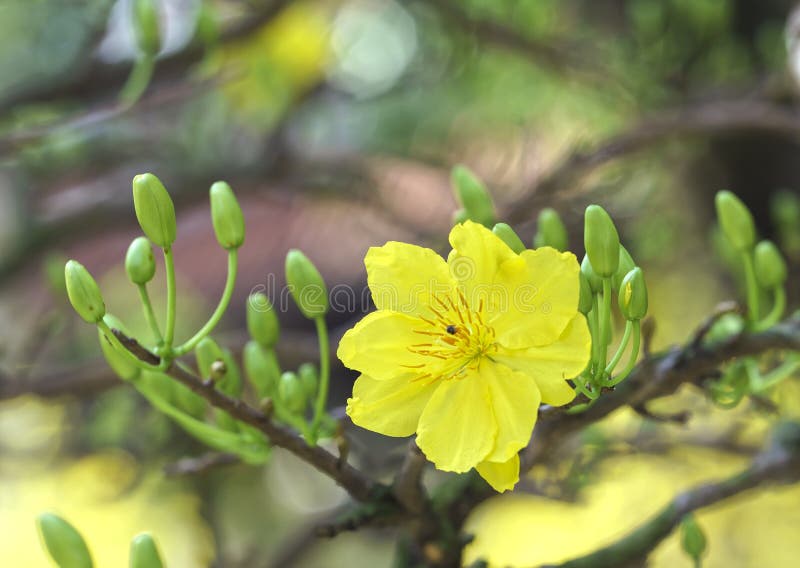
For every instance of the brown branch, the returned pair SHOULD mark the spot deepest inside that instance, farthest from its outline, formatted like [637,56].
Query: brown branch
[407,485]
[353,481]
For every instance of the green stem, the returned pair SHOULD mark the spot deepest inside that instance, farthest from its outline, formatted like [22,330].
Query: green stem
[776,313]
[751,286]
[138,80]
[605,321]
[594,331]
[621,349]
[124,350]
[149,314]
[169,332]
[219,312]
[324,376]
[779,373]
[634,355]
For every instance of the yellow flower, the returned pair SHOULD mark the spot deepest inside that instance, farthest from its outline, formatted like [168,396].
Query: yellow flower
[463,352]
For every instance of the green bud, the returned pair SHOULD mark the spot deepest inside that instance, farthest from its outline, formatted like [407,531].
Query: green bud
[125,369]
[139,262]
[473,196]
[585,301]
[154,210]
[595,282]
[736,221]
[226,216]
[626,264]
[146,26]
[306,285]
[307,373]
[550,231]
[84,293]
[508,236]
[206,354]
[291,393]
[633,295]
[693,539]
[770,266]
[144,552]
[231,381]
[262,368]
[262,321]
[64,543]
[601,241]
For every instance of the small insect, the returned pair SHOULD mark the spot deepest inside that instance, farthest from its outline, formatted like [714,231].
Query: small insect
[451,329]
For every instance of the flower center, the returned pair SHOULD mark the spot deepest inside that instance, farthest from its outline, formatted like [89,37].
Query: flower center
[458,337]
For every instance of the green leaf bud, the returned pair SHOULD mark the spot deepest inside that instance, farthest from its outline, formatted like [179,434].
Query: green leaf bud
[550,231]
[693,539]
[585,301]
[206,354]
[770,267]
[125,369]
[306,285]
[473,196]
[144,552]
[262,320]
[626,264]
[601,240]
[508,236]
[146,26]
[262,368]
[633,295]
[291,393]
[595,282]
[307,373]
[226,216]
[736,221]
[154,210]
[140,264]
[83,292]
[64,543]
[231,381]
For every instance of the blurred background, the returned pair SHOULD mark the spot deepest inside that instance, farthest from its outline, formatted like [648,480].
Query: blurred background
[337,123]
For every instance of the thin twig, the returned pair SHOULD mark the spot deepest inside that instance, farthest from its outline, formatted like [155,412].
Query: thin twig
[200,464]
[407,485]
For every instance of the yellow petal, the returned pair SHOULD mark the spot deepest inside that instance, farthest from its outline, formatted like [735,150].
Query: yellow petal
[457,428]
[502,476]
[391,408]
[475,259]
[552,365]
[378,346]
[403,277]
[542,289]
[515,403]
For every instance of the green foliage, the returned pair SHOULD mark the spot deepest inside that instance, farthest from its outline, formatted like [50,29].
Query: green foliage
[64,543]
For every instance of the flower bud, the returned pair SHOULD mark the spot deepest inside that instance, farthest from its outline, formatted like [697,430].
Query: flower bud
[306,285]
[633,295]
[291,393]
[585,302]
[262,368]
[693,539]
[139,262]
[83,292]
[64,543]
[226,216]
[144,552]
[206,354]
[626,264]
[262,321]
[601,241]
[154,210]
[231,381]
[550,231]
[307,373]
[124,368]
[770,266]
[146,26]
[595,282]
[735,220]
[473,196]
[508,236]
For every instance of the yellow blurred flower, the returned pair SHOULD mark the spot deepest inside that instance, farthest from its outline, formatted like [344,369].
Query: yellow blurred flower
[463,352]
